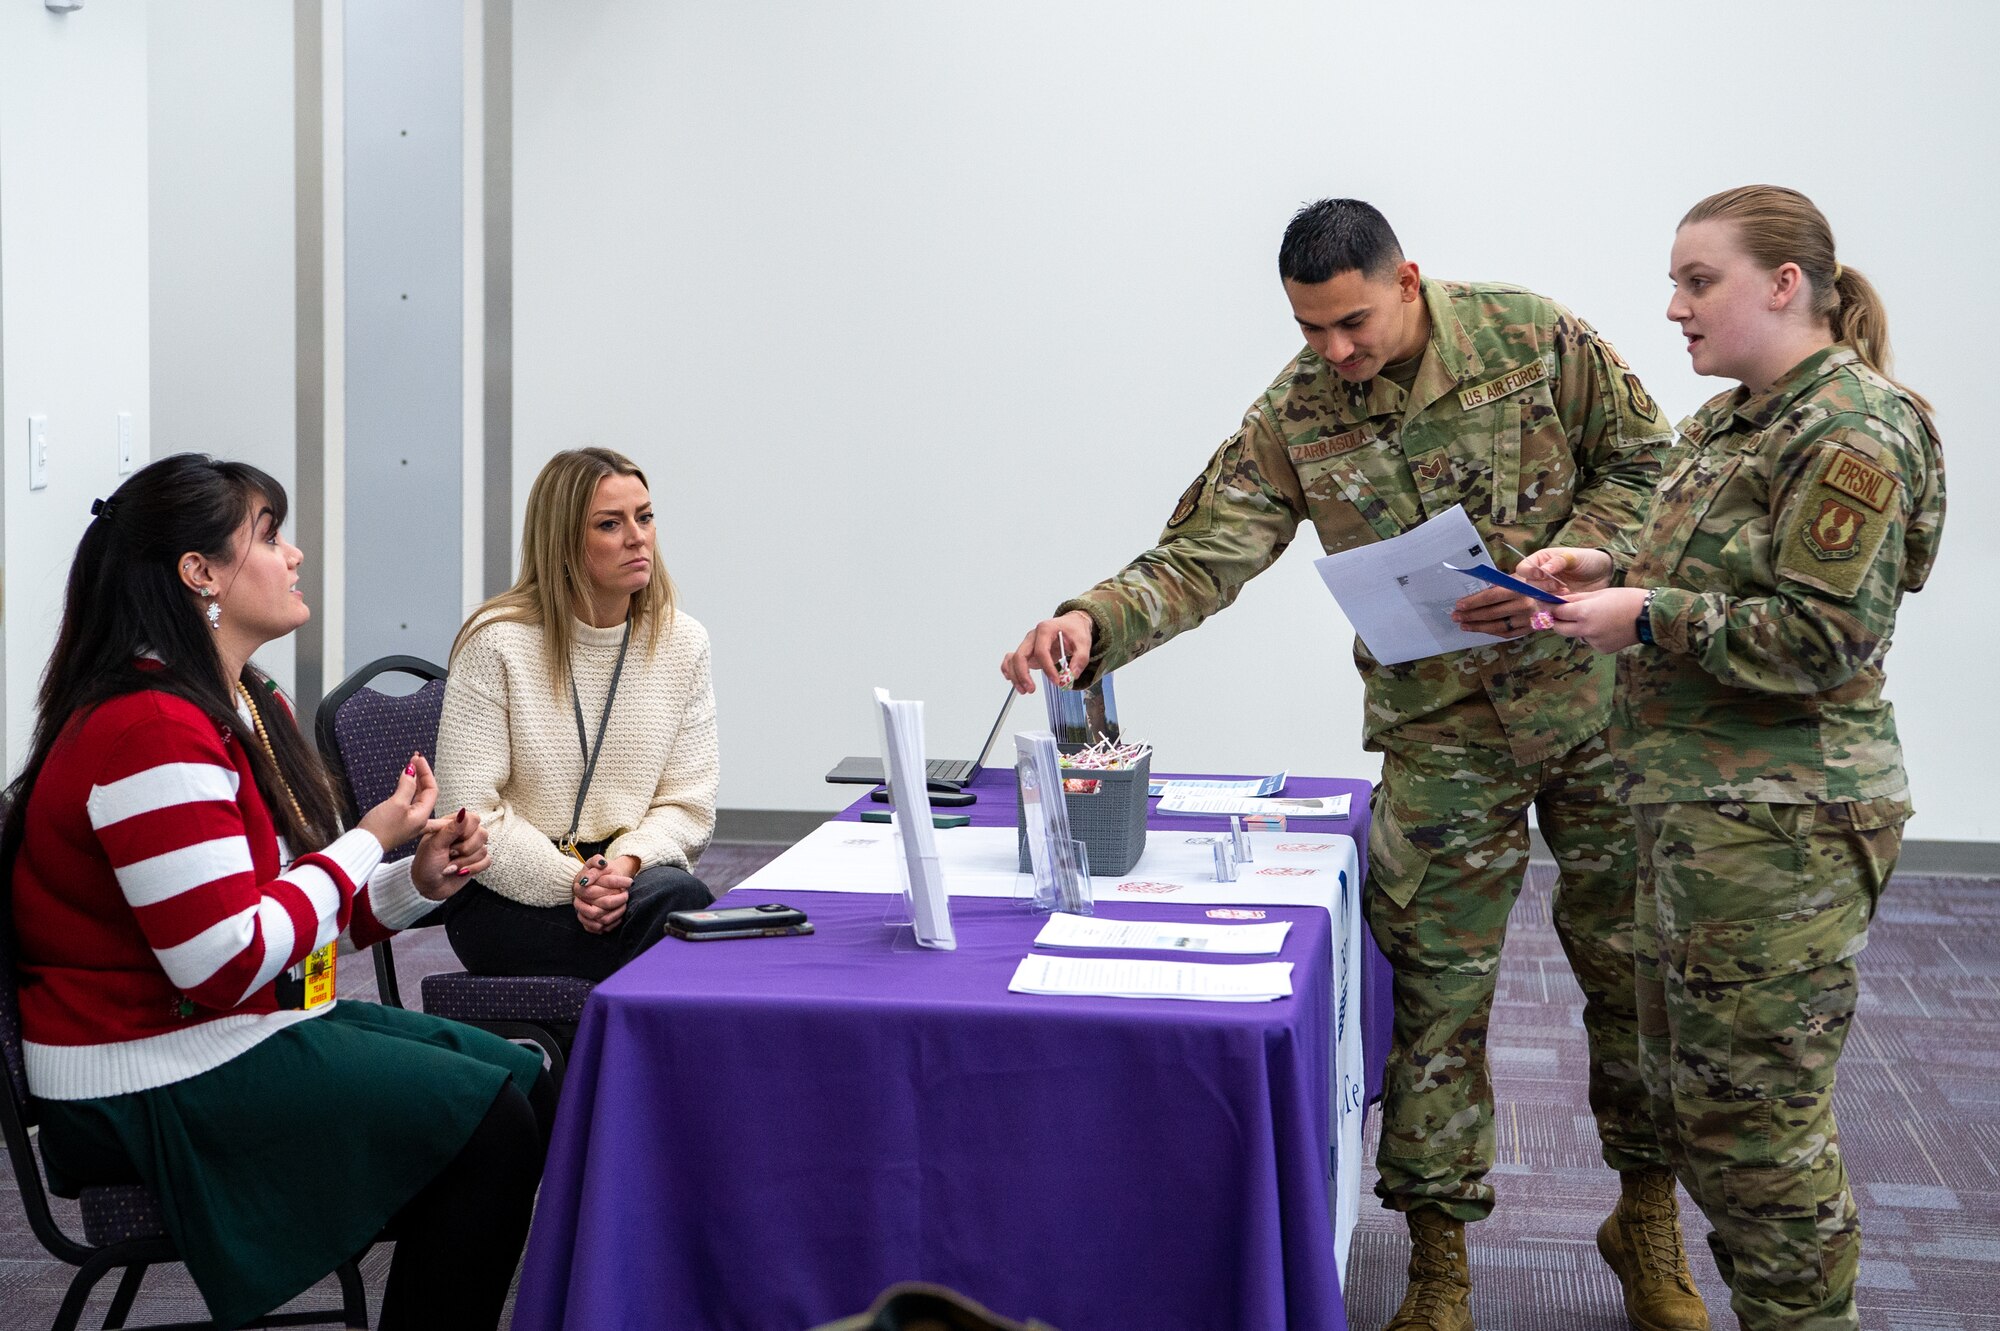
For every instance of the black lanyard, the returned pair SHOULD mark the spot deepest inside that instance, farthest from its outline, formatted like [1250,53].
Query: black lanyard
[591,751]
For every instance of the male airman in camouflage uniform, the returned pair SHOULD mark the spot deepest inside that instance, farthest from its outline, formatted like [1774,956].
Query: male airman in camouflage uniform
[1413,396]
[1763,765]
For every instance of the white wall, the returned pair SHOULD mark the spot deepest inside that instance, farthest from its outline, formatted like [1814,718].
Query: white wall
[73,299]
[921,316]
[220,96]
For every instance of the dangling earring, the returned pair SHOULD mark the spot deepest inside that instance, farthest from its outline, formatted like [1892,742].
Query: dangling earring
[214,611]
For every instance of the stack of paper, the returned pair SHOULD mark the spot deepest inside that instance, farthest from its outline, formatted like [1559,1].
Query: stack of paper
[1235,940]
[1259,982]
[1292,806]
[1263,785]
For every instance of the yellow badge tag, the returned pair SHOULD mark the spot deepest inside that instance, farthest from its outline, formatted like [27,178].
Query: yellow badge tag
[1857,480]
[1320,449]
[1495,389]
[320,967]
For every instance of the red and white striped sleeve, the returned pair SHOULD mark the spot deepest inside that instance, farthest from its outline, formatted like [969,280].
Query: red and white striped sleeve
[165,811]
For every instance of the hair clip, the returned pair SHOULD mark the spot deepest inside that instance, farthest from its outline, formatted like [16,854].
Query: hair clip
[102,508]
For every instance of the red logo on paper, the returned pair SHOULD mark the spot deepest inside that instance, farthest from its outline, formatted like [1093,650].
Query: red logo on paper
[1287,871]
[1236,915]
[1301,848]
[1154,888]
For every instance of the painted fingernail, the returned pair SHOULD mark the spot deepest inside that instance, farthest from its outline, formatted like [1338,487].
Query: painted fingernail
[461,815]
[583,882]
[410,770]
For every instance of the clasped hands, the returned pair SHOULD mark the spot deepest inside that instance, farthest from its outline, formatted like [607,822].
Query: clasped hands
[600,890]
[449,851]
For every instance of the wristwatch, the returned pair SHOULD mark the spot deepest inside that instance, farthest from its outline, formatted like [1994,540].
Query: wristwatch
[1644,624]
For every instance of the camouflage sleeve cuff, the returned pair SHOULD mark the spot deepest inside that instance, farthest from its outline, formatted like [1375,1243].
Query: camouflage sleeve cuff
[1102,649]
[1673,615]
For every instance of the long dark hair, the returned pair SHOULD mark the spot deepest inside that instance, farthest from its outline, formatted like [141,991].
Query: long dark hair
[125,603]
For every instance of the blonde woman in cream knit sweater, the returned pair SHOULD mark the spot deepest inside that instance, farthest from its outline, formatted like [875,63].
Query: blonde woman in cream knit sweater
[587,643]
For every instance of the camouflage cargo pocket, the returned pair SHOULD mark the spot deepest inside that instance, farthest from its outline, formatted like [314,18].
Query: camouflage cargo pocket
[1775,1229]
[1396,865]
[1768,1001]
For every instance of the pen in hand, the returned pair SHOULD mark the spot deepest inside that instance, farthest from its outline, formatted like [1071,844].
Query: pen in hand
[1062,660]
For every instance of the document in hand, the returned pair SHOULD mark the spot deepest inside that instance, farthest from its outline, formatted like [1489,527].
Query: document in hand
[1398,593]
[1258,982]
[903,760]
[1234,940]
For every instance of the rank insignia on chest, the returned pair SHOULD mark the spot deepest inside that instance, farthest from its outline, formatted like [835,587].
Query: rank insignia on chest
[1431,468]
[1834,530]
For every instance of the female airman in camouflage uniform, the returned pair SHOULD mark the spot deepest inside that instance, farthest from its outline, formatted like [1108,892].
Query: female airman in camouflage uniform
[1755,745]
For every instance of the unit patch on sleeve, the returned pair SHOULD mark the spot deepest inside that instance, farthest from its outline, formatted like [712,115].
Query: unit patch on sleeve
[1635,393]
[1841,525]
[1190,497]
[1494,389]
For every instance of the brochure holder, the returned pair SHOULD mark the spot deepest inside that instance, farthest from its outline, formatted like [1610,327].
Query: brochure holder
[1059,864]
[923,904]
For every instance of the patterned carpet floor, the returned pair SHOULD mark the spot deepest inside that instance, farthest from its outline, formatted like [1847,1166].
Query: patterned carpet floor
[1919,1106]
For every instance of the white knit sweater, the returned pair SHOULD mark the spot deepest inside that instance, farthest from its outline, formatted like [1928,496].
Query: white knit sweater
[508,750]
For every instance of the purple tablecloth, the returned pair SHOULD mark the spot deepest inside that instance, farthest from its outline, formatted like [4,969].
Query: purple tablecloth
[762,1135]
[994,807]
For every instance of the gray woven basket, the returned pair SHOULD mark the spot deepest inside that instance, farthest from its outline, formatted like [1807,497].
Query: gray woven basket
[1110,823]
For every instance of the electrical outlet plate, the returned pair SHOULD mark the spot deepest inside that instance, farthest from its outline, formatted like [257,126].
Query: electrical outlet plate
[38,452]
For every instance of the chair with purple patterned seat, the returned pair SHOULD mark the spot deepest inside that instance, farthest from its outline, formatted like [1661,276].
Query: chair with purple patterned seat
[366,736]
[122,1224]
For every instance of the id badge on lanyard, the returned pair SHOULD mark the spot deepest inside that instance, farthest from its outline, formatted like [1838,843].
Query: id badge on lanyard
[320,967]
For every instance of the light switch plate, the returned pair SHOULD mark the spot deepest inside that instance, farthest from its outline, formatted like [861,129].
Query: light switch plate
[38,452]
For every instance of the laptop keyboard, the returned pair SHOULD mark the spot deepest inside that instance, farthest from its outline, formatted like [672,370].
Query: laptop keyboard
[956,770]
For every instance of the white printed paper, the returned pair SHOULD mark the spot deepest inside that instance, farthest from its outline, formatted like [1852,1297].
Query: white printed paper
[1259,982]
[1291,806]
[1233,940]
[1250,789]
[1398,594]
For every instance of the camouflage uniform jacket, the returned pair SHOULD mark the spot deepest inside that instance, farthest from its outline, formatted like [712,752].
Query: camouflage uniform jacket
[1781,543]
[1519,411]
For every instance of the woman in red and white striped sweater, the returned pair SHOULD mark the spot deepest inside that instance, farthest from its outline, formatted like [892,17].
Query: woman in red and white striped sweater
[151,848]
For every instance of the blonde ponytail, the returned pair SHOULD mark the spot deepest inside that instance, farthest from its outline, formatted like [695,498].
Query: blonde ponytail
[1779,226]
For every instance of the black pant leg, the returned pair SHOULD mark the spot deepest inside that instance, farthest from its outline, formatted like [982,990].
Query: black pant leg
[459,1240]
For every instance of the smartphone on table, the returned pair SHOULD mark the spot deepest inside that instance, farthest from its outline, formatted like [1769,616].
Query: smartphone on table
[773,919]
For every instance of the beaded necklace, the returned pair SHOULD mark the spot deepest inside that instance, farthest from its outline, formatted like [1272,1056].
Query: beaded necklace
[318,968]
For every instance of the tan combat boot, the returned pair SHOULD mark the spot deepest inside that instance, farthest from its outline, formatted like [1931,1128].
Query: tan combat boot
[1642,1242]
[1440,1293]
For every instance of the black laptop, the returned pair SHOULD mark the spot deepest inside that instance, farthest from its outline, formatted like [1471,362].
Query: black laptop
[939,773]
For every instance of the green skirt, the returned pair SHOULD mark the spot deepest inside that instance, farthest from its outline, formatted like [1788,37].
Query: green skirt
[287,1160]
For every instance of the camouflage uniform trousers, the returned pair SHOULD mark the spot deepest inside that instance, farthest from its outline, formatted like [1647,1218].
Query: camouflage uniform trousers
[1749,920]
[1448,848]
